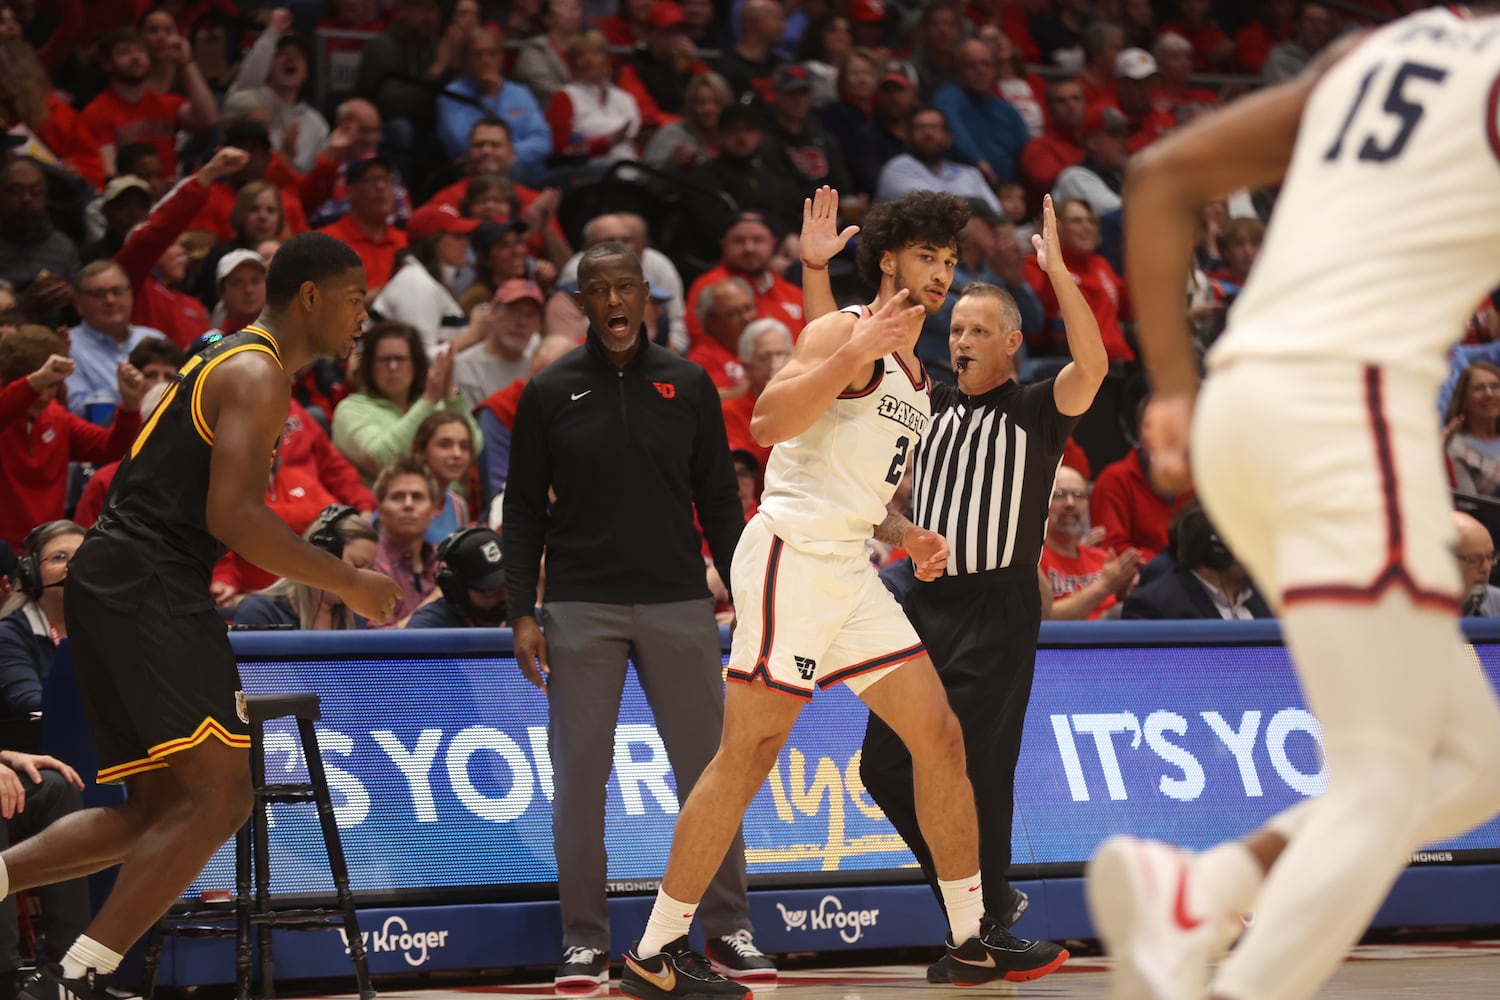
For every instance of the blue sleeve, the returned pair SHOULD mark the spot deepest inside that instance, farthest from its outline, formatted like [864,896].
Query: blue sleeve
[20,673]
[531,135]
[1010,139]
[494,461]
[951,102]
[1033,316]
[454,119]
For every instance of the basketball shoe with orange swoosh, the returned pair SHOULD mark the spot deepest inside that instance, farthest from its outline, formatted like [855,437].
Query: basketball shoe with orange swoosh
[998,954]
[677,972]
[1152,924]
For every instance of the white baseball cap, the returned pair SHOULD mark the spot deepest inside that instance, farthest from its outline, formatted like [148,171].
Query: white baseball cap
[1135,64]
[234,259]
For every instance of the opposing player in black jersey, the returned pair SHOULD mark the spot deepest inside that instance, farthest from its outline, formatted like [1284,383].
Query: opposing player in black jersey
[158,677]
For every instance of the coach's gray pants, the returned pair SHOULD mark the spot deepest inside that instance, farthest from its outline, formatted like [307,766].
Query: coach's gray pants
[678,662]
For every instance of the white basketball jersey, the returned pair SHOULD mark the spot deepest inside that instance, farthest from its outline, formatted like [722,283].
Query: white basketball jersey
[1386,235]
[826,489]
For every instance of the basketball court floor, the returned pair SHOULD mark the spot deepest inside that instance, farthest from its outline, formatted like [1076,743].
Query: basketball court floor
[1446,971]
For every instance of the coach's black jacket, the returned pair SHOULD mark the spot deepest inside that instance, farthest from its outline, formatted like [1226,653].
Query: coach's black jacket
[629,453]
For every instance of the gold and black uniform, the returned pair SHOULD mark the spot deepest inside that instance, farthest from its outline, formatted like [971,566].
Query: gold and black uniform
[151,652]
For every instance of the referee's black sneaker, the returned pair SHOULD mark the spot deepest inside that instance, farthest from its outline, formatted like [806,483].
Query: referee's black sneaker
[49,984]
[676,973]
[998,954]
[1016,903]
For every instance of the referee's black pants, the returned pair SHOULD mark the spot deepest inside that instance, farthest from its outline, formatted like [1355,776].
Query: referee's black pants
[981,632]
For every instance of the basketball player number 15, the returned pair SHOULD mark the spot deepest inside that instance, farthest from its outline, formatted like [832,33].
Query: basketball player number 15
[1397,104]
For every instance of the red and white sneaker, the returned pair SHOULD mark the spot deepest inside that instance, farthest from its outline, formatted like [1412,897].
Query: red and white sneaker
[1139,900]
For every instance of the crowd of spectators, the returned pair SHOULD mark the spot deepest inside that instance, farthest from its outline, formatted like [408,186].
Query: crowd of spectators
[469,151]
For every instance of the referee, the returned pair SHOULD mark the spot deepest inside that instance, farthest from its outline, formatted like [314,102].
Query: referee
[983,479]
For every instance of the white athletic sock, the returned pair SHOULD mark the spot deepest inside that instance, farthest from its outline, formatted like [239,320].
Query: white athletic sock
[4,879]
[670,920]
[87,954]
[1225,879]
[964,900]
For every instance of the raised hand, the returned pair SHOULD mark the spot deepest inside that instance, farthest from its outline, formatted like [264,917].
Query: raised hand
[132,386]
[228,160]
[281,21]
[1165,429]
[439,377]
[886,330]
[821,238]
[1048,251]
[54,371]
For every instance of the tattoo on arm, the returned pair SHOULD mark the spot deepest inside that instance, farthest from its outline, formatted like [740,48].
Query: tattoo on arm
[893,529]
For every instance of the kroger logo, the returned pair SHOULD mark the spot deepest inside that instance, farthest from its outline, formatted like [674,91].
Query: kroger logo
[830,915]
[395,936]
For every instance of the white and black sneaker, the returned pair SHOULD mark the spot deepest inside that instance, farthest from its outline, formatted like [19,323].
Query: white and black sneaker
[735,956]
[49,984]
[582,969]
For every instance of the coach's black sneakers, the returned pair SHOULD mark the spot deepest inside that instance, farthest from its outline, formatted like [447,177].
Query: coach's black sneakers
[677,973]
[1016,903]
[735,956]
[49,984]
[998,954]
[582,969]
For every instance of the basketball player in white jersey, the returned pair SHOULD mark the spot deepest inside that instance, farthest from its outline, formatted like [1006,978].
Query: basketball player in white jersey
[1315,450]
[844,416]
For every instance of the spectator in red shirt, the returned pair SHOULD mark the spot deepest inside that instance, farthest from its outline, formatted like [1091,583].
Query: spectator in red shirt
[491,152]
[765,348]
[1272,26]
[1128,508]
[1135,80]
[28,101]
[216,215]
[1212,49]
[1102,43]
[1103,289]
[1174,60]
[39,437]
[129,112]
[1087,582]
[746,248]
[372,198]
[658,71]
[629,24]
[1061,145]
[155,261]
[723,310]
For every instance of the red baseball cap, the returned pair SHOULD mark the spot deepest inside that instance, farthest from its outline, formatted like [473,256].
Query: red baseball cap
[664,14]
[867,11]
[429,220]
[517,289]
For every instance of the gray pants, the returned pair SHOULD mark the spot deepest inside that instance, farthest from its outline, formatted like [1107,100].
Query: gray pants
[679,665]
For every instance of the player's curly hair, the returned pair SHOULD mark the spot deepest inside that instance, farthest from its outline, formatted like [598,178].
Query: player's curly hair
[919,217]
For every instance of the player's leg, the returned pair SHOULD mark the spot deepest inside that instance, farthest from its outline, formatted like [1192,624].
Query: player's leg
[166,858]
[91,840]
[1380,726]
[678,660]
[587,647]
[757,721]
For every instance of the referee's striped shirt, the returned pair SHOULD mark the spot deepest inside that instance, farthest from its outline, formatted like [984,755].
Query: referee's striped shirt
[984,473]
